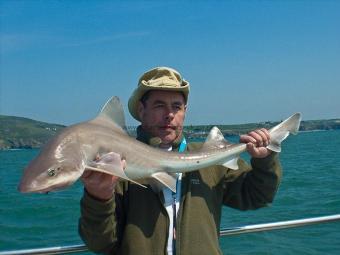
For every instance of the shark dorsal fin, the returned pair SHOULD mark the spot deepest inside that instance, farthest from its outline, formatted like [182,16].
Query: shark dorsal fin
[113,111]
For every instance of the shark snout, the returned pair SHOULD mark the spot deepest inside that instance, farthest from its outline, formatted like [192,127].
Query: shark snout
[25,187]
[32,188]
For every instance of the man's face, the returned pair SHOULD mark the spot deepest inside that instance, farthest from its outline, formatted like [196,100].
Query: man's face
[162,115]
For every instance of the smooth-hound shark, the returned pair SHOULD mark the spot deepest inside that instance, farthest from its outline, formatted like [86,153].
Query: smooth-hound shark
[75,149]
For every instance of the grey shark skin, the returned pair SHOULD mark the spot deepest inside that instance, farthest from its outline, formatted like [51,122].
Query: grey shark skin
[67,155]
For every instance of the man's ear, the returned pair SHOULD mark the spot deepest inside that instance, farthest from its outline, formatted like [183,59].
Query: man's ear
[185,111]
[140,110]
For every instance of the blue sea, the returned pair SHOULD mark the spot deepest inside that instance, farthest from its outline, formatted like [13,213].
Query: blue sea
[310,188]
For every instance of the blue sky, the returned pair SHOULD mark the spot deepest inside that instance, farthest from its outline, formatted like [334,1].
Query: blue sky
[247,61]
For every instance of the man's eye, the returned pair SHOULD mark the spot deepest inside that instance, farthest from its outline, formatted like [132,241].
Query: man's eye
[159,105]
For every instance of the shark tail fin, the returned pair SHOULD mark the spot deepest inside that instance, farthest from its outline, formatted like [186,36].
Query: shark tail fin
[215,141]
[281,131]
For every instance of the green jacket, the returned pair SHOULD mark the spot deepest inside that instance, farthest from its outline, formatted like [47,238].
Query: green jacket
[135,221]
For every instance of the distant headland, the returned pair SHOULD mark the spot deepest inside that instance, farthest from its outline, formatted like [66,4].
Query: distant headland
[24,133]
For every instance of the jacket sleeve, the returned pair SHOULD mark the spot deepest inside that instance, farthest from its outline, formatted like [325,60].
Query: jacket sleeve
[101,223]
[252,187]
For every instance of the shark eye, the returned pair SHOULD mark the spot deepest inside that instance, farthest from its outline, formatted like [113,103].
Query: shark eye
[51,172]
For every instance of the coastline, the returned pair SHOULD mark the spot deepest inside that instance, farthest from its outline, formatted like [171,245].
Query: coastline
[22,133]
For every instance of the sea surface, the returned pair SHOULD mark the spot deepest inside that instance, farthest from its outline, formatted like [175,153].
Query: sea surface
[310,188]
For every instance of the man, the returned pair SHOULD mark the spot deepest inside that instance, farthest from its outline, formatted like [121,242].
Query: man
[118,217]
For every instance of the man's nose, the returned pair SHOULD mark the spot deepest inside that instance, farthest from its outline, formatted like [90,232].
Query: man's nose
[169,115]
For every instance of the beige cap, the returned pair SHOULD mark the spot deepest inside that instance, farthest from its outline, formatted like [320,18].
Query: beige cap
[159,78]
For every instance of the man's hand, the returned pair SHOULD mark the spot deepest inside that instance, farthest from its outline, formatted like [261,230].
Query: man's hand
[100,185]
[257,141]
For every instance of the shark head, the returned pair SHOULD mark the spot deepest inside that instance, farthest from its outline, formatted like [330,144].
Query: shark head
[59,164]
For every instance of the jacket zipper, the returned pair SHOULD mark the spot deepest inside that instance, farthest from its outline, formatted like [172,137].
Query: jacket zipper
[178,219]
[174,223]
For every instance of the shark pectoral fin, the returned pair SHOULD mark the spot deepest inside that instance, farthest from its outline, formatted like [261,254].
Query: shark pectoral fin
[166,179]
[114,173]
[232,164]
[110,163]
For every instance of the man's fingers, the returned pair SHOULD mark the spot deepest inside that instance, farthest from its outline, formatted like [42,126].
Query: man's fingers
[266,132]
[114,179]
[124,163]
[251,149]
[263,137]
[247,139]
[90,177]
[257,152]
[86,174]
[101,185]
[259,137]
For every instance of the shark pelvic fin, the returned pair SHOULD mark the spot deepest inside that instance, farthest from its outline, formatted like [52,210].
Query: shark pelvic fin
[108,172]
[113,111]
[232,164]
[166,179]
[281,131]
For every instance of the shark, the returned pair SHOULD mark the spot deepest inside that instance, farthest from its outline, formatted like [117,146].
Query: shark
[67,155]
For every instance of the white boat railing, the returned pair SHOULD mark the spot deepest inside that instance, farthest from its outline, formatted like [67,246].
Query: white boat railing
[48,251]
[223,232]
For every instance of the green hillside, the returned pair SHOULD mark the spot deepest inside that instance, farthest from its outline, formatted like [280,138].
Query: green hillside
[18,132]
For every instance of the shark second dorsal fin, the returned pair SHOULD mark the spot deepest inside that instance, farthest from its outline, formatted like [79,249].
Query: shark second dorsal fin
[215,140]
[113,111]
